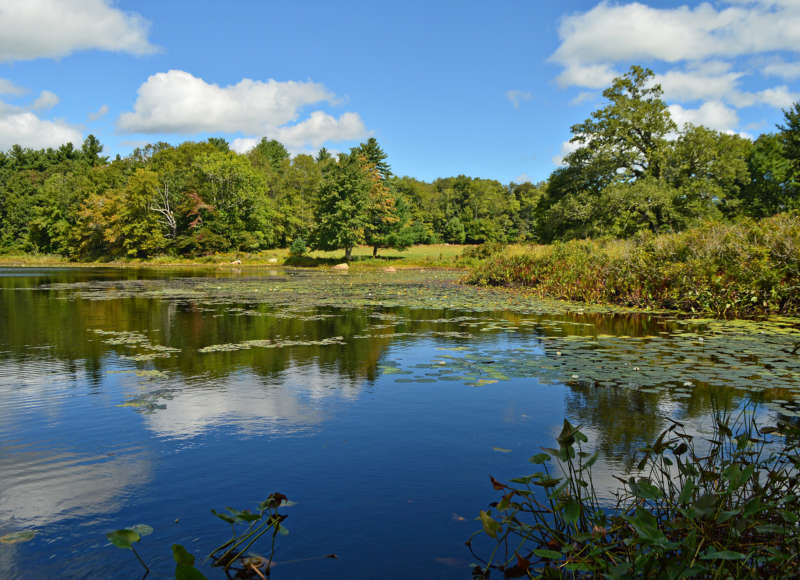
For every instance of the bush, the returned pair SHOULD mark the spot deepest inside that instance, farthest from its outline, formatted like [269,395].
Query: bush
[746,268]
[298,247]
[726,507]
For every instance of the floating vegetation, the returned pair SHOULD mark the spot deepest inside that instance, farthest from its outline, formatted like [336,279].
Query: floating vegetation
[18,537]
[149,403]
[278,343]
[138,341]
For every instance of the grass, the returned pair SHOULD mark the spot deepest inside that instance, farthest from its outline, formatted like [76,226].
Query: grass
[740,269]
[428,256]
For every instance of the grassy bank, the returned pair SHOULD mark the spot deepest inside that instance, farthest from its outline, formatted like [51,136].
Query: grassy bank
[428,256]
[747,268]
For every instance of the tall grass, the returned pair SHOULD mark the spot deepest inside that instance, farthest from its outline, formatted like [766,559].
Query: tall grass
[745,268]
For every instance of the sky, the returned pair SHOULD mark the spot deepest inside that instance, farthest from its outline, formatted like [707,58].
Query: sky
[487,89]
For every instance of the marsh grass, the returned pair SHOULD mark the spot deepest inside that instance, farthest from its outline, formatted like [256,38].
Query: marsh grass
[718,508]
[741,269]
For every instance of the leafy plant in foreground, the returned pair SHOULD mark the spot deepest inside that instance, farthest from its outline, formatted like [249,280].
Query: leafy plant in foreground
[127,537]
[265,520]
[723,507]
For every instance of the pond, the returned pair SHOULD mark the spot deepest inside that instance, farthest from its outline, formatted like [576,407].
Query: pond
[379,403]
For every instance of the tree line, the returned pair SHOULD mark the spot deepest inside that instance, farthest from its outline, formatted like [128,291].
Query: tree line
[632,169]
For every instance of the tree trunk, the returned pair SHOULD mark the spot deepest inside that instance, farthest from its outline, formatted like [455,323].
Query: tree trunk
[347,253]
[374,251]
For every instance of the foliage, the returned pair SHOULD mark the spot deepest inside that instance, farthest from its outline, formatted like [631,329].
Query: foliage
[232,554]
[722,507]
[750,267]
[127,537]
[265,520]
[633,170]
[298,247]
[340,216]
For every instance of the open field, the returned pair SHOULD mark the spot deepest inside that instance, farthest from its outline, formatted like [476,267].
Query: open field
[434,255]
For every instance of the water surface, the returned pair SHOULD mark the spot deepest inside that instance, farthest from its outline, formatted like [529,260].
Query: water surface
[379,403]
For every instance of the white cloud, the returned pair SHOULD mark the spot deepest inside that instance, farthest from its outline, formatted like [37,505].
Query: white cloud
[713,114]
[101,112]
[178,102]
[9,88]
[780,68]
[25,128]
[45,100]
[32,29]
[567,147]
[610,33]
[319,128]
[780,97]
[517,97]
[596,76]
[583,97]
[699,84]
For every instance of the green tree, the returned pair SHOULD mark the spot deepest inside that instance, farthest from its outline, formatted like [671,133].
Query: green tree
[341,214]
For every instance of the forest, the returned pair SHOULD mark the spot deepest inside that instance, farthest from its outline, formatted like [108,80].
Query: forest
[632,170]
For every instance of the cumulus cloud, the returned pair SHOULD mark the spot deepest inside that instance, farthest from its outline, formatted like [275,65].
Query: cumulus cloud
[9,88]
[18,127]
[101,112]
[610,33]
[45,100]
[517,97]
[179,102]
[32,29]
[713,114]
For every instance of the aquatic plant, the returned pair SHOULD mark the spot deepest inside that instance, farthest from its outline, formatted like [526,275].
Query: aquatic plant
[727,506]
[740,269]
[127,537]
[265,520]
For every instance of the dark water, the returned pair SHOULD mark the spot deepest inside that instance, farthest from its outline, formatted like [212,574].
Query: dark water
[133,397]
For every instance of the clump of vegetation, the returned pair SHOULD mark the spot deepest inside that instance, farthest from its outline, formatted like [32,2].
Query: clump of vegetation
[298,247]
[745,268]
[723,507]
[481,251]
[231,555]
[265,520]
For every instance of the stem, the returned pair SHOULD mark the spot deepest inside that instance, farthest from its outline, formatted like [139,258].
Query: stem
[138,557]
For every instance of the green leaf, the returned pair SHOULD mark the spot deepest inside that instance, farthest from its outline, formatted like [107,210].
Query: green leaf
[539,458]
[223,517]
[646,490]
[123,538]
[687,492]
[723,555]
[490,526]
[182,556]
[571,511]
[549,554]
[18,537]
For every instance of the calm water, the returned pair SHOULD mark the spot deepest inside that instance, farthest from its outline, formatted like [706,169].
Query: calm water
[379,405]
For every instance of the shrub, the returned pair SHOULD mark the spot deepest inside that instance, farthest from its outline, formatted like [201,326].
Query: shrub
[745,268]
[298,247]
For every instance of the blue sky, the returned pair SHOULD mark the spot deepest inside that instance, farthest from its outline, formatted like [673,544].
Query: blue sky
[484,89]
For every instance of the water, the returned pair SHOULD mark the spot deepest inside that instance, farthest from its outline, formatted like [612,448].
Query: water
[380,404]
